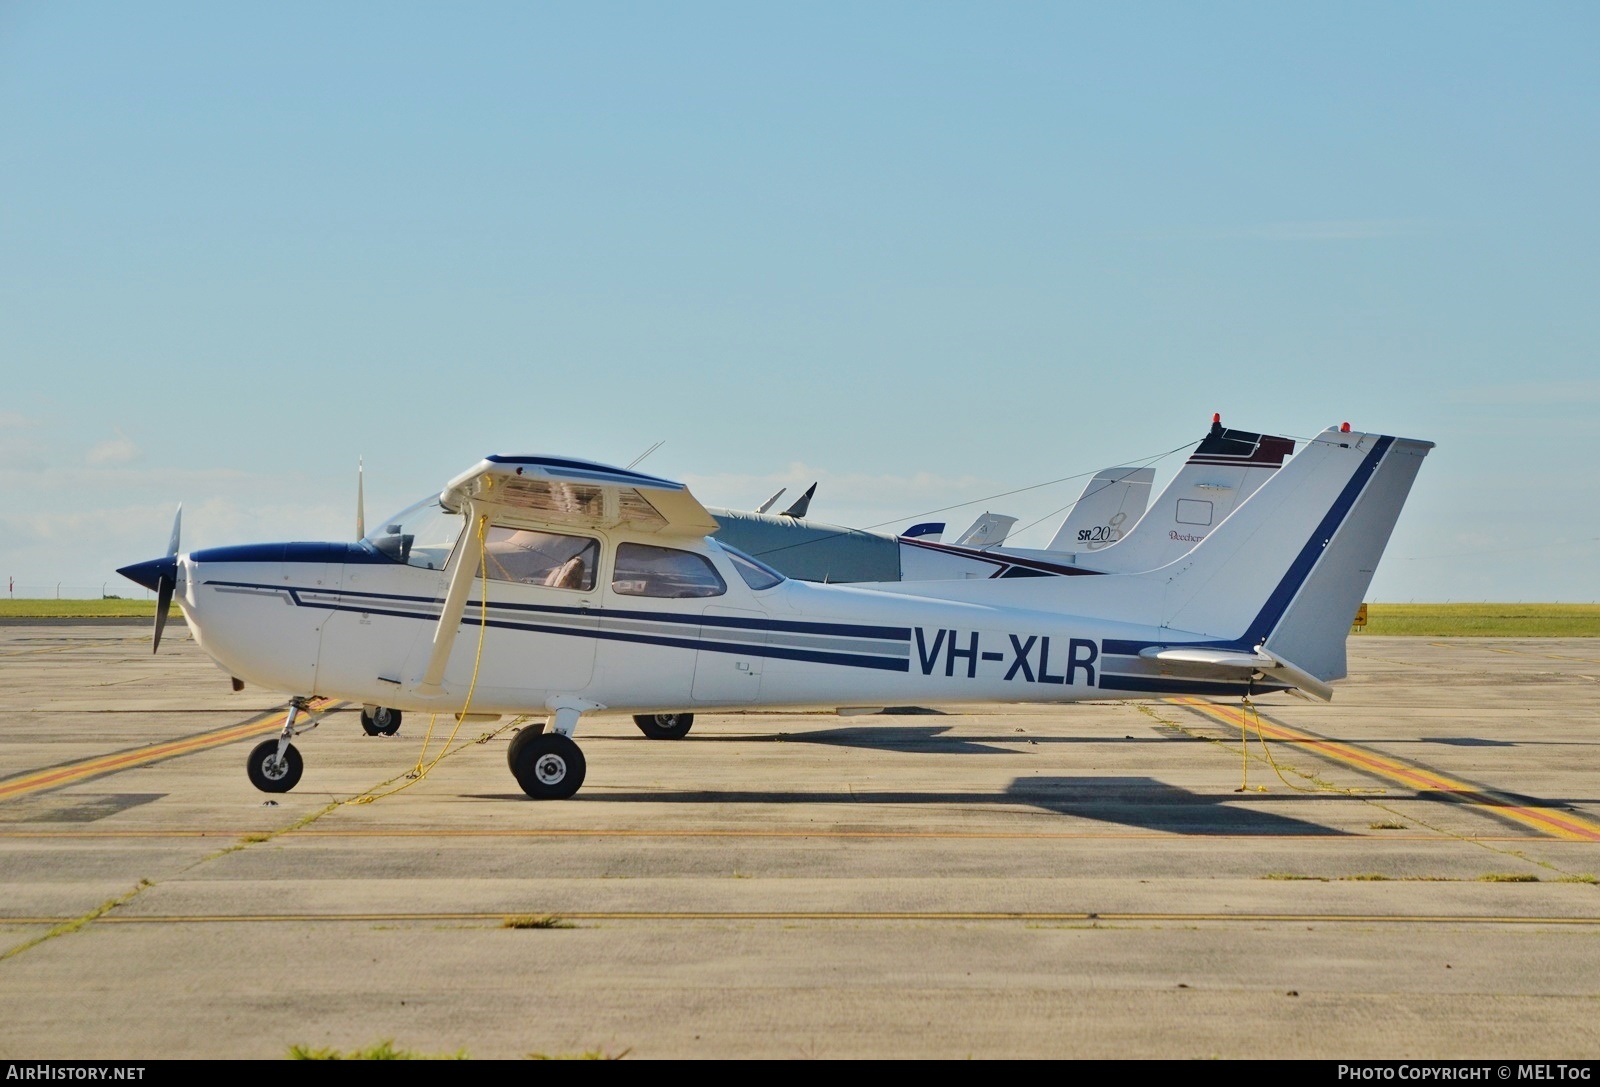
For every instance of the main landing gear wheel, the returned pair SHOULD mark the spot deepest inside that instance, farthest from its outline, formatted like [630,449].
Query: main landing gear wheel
[547,765]
[271,774]
[664,726]
[379,720]
[519,740]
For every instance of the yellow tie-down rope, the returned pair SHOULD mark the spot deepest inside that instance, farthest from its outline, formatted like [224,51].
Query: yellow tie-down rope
[1244,751]
[420,771]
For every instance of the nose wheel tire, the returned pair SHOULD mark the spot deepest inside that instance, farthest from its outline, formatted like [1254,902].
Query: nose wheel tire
[271,774]
[664,726]
[380,720]
[547,765]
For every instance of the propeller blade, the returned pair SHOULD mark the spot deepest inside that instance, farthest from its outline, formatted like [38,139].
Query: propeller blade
[169,580]
[361,501]
[163,605]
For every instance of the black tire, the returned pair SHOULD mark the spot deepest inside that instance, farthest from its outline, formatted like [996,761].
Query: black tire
[271,775]
[547,765]
[380,721]
[519,740]
[664,726]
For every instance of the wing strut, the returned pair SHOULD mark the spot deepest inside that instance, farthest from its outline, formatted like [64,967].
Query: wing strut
[455,602]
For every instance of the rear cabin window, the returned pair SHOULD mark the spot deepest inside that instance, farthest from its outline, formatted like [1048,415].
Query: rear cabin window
[643,570]
[551,559]
[757,574]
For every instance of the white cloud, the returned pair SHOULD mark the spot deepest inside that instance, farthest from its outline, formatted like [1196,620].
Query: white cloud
[118,450]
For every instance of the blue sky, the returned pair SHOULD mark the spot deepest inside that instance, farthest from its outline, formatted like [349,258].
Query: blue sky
[924,253]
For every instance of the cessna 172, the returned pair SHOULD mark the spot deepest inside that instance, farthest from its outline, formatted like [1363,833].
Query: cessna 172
[544,585]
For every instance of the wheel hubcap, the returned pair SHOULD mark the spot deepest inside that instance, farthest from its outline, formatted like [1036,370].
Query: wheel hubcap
[274,768]
[550,769]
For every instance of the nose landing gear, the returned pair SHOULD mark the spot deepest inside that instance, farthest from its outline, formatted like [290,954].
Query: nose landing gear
[272,773]
[275,766]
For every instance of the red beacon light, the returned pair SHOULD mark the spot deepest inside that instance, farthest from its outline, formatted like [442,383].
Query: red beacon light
[1344,428]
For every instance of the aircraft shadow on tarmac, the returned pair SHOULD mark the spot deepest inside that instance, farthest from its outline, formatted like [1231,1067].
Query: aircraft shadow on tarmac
[926,739]
[931,739]
[1128,801]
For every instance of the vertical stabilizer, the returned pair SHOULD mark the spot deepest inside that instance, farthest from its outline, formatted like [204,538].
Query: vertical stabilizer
[1110,505]
[801,504]
[1313,629]
[1290,566]
[990,530]
[1224,470]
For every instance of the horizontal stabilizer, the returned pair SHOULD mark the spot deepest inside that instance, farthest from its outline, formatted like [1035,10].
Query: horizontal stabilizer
[1201,662]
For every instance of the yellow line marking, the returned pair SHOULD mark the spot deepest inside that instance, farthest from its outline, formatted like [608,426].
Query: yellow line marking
[57,776]
[929,835]
[1545,820]
[814,915]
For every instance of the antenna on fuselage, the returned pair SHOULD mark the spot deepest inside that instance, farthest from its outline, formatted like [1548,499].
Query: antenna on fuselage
[646,453]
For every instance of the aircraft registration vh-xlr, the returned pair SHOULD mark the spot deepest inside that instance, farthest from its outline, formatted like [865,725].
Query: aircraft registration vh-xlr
[560,587]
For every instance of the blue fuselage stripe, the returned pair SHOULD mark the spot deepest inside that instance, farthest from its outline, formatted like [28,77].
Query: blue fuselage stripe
[372,604]
[886,664]
[1164,685]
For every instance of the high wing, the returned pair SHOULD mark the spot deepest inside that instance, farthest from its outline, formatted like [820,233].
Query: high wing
[556,492]
[569,493]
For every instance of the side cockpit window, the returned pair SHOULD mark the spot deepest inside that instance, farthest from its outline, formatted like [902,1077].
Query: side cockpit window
[645,570]
[756,574]
[552,559]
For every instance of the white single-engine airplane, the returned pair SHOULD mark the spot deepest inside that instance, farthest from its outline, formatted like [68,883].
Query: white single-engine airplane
[543,585]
